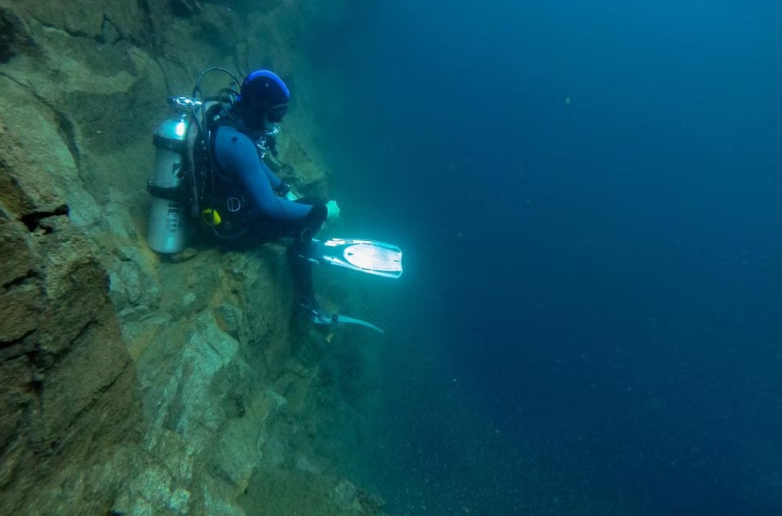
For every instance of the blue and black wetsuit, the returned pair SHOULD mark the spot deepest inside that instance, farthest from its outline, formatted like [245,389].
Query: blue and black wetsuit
[268,214]
[236,156]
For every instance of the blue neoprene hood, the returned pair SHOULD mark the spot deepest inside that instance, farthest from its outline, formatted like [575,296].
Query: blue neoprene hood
[264,88]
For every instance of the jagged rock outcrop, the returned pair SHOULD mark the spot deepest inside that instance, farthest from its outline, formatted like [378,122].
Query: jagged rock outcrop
[133,385]
[70,406]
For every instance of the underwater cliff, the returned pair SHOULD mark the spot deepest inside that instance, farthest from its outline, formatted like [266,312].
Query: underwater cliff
[130,384]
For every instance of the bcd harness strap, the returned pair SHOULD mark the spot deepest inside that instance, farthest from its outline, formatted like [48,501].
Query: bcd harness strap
[177,194]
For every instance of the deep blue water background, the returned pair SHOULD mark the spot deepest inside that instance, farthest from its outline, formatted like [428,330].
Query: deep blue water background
[589,195]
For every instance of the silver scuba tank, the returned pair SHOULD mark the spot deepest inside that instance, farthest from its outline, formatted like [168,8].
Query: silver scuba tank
[167,226]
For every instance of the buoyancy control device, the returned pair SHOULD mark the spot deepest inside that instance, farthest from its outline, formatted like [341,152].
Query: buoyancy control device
[179,183]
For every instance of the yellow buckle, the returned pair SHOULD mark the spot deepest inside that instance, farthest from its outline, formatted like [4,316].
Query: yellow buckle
[211,217]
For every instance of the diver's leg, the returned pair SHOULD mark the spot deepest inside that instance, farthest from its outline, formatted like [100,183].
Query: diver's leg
[301,270]
[299,253]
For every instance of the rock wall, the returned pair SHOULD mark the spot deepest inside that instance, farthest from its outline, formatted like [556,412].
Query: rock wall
[133,385]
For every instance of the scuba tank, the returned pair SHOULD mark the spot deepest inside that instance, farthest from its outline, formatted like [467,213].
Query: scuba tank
[168,216]
[180,181]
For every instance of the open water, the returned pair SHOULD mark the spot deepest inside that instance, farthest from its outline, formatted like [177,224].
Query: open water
[589,196]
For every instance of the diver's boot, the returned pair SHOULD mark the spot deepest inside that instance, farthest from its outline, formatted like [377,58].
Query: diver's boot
[312,311]
[320,317]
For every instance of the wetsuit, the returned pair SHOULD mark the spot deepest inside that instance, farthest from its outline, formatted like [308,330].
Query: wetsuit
[238,161]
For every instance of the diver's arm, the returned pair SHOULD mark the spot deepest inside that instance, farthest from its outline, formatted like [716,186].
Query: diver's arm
[237,156]
[275,181]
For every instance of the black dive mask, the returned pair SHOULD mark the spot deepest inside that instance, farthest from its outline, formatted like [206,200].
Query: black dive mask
[276,113]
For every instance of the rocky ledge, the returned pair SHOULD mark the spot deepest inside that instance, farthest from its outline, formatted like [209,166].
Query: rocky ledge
[133,385]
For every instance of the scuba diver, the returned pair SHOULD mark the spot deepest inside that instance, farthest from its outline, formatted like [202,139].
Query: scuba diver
[216,166]
[257,197]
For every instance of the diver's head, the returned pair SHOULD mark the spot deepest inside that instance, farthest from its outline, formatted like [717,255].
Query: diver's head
[263,100]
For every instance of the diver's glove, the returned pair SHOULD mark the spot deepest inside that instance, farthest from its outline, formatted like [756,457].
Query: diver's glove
[284,190]
[333,210]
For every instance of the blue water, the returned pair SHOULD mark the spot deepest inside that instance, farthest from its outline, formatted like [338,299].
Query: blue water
[589,195]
